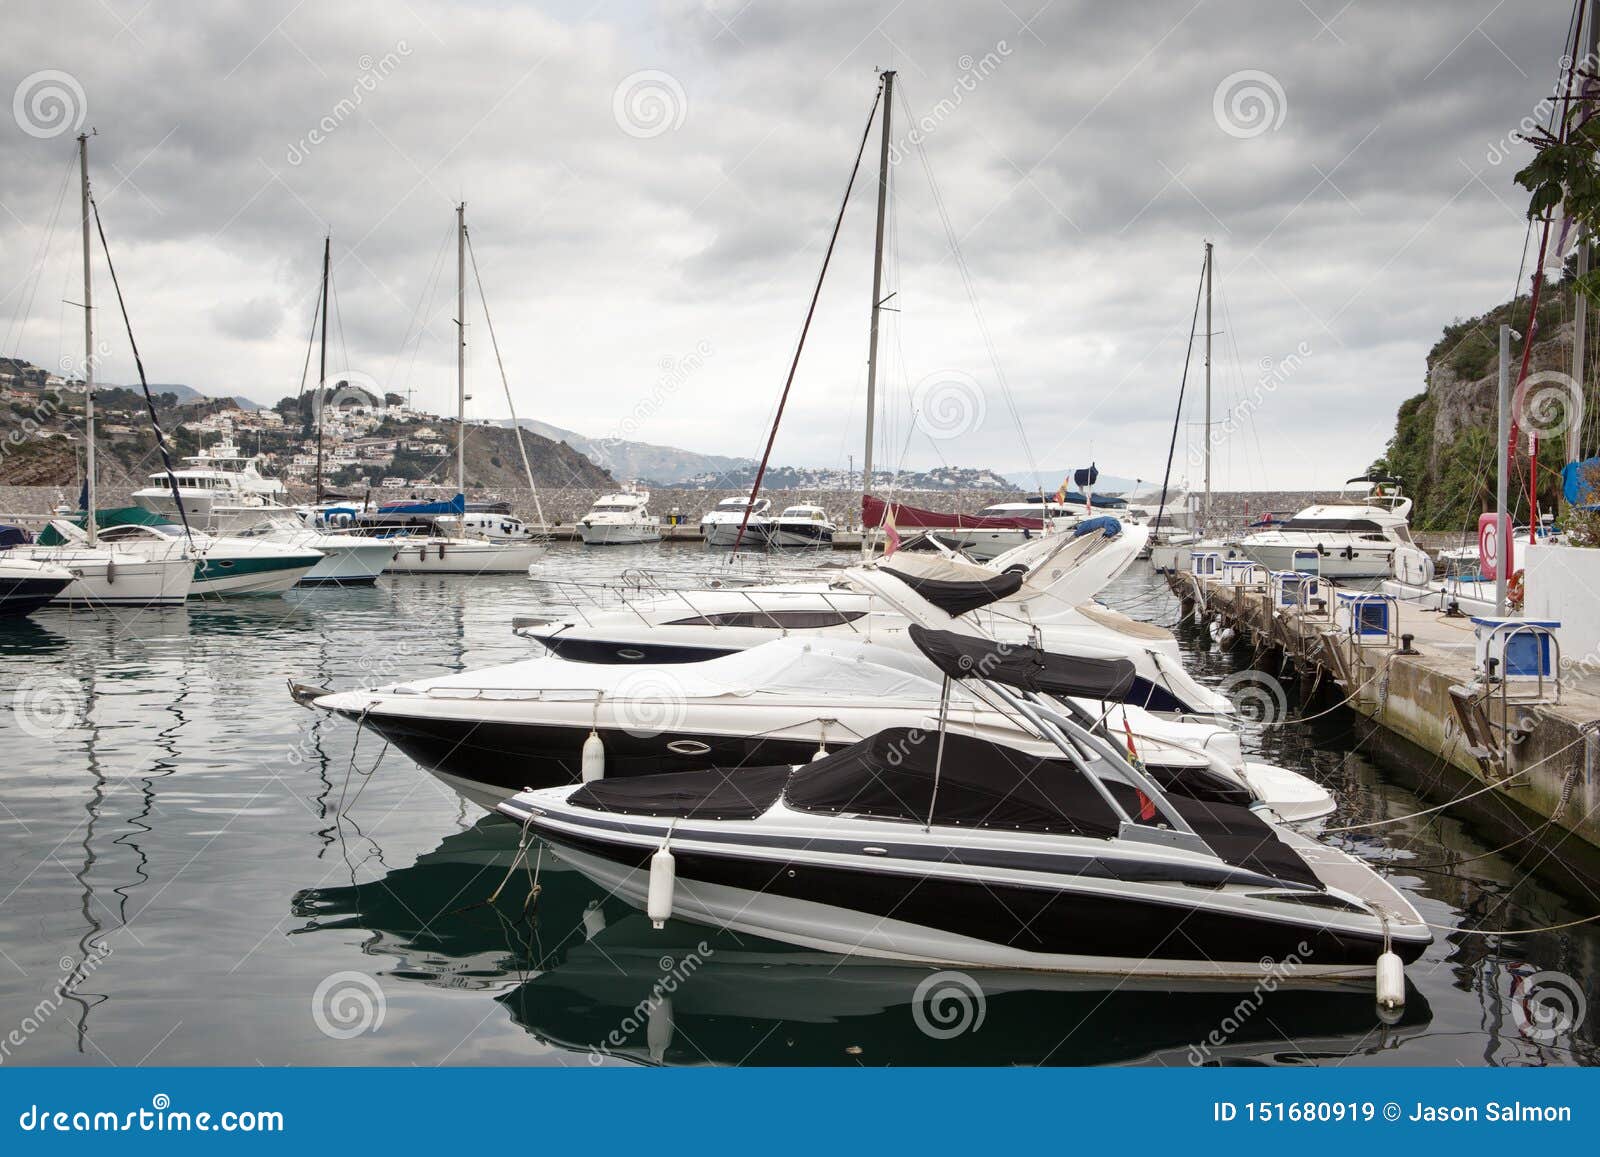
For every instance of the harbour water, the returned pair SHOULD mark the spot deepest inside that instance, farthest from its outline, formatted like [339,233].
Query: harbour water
[196,871]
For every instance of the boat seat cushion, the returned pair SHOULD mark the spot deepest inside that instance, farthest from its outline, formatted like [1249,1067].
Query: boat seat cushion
[1235,833]
[714,793]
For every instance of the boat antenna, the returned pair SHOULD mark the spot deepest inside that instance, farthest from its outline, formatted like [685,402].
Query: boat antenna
[938,754]
[1183,382]
[816,292]
[322,372]
[149,402]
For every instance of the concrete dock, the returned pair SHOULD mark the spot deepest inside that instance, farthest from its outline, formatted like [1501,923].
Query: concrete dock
[1519,738]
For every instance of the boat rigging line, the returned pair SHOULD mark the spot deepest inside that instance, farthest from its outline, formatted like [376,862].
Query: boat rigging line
[1183,383]
[811,310]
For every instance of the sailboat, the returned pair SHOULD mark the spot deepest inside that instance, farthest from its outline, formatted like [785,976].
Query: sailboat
[106,574]
[424,545]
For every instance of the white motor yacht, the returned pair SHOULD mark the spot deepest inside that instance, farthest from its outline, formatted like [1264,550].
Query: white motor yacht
[720,525]
[222,490]
[803,527]
[110,574]
[620,519]
[1352,540]
[347,559]
[222,565]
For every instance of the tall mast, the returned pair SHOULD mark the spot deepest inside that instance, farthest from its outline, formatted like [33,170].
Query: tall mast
[322,373]
[877,288]
[1210,257]
[1579,77]
[461,348]
[88,347]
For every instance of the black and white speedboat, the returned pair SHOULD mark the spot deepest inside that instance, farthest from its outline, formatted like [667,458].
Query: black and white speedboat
[26,585]
[548,721]
[929,846]
[723,523]
[803,527]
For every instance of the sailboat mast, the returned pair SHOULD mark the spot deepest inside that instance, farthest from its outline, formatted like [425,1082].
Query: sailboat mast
[1210,258]
[1580,317]
[461,348]
[877,288]
[322,372]
[88,347]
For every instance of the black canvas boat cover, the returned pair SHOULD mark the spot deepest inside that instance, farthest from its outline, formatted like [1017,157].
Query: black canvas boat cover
[981,785]
[1019,665]
[1235,833]
[712,794]
[958,596]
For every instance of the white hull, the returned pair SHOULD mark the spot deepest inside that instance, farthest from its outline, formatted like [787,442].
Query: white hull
[727,533]
[1471,598]
[462,556]
[260,583]
[117,581]
[1369,561]
[349,563]
[619,533]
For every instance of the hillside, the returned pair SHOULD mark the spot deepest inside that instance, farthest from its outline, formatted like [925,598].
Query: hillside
[1444,442]
[645,461]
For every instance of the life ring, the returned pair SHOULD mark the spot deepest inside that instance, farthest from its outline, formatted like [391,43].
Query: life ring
[1514,590]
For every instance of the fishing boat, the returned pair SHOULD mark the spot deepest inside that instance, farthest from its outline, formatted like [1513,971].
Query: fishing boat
[738,521]
[930,846]
[803,527]
[620,519]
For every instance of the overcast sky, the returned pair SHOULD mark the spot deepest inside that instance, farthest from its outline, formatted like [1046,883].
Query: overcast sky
[650,189]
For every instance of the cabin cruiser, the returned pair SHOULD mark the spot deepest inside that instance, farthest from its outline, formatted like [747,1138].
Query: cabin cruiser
[347,560]
[721,524]
[495,526]
[423,544]
[1352,540]
[544,721]
[222,491]
[221,565]
[620,519]
[106,574]
[927,845]
[980,536]
[26,585]
[803,527]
